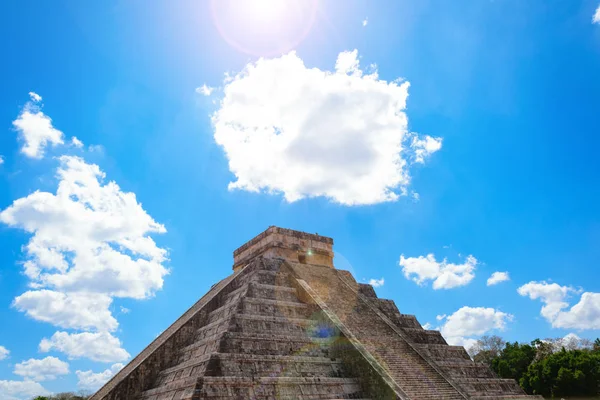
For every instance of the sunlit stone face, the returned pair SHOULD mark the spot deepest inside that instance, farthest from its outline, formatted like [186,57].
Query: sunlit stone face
[264,27]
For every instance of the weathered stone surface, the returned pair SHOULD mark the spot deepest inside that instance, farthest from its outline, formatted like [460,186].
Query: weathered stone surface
[286,325]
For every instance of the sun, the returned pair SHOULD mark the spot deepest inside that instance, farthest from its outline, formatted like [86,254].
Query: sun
[264,10]
[264,27]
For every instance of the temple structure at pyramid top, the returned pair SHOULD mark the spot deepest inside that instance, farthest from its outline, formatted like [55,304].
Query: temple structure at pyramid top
[288,325]
[287,244]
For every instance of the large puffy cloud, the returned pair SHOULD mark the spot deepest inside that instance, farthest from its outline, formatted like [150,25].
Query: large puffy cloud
[583,315]
[4,352]
[35,129]
[466,323]
[306,132]
[90,242]
[89,236]
[89,380]
[46,369]
[97,346]
[443,274]
[21,390]
[68,310]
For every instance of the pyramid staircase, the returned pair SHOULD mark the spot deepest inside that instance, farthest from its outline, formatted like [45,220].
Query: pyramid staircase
[257,341]
[281,329]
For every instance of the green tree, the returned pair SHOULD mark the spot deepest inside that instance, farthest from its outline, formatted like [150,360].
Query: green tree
[513,360]
[596,346]
[564,373]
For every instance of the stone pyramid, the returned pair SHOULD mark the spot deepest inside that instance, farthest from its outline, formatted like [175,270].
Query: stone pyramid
[288,325]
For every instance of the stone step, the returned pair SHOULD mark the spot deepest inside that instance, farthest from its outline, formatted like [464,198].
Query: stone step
[224,311]
[268,307]
[212,329]
[444,352]
[490,386]
[271,388]
[276,325]
[273,344]
[188,366]
[420,335]
[509,397]
[228,364]
[180,389]
[388,307]
[199,348]
[273,292]
[466,370]
[277,278]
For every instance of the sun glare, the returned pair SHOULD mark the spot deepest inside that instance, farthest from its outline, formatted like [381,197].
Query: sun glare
[264,10]
[264,27]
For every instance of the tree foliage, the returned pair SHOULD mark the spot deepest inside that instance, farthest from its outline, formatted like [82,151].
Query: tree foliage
[550,367]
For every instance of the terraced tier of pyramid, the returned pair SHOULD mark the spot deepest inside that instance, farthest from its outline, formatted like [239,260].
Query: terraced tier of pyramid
[288,325]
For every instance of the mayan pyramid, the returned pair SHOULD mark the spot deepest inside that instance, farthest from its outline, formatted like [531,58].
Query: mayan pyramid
[288,325]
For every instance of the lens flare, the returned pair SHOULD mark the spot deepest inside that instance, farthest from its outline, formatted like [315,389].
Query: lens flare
[264,27]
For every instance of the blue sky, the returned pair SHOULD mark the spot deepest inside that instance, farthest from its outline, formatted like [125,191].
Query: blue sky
[459,135]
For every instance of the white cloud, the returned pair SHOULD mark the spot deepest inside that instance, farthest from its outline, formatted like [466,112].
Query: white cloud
[1,160]
[125,310]
[443,274]
[100,346]
[306,132]
[497,277]
[377,282]
[90,242]
[427,326]
[365,21]
[96,148]
[440,317]
[46,369]
[35,129]
[36,98]
[76,142]
[205,90]
[78,310]
[466,323]
[21,390]
[583,315]
[4,352]
[89,380]
[596,18]
[424,147]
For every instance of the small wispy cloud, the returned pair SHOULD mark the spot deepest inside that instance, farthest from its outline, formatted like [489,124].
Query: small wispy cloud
[35,97]
[76,142]
[377,282]
[205,90]
[365,22]
[498,277]
[35,129]
[1,160]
